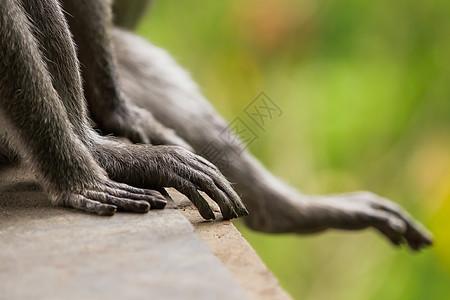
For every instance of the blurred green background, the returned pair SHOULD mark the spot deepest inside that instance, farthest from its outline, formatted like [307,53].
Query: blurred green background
[365,90]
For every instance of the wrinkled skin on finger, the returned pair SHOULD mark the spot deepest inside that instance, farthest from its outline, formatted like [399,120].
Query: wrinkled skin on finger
[106,197]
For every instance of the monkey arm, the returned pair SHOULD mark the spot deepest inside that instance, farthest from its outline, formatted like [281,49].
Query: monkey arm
[359,210]
[151,79]
[36,125]
[307,214]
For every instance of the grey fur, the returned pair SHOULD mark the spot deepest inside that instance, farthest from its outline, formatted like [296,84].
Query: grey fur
[149,98]
[43,120]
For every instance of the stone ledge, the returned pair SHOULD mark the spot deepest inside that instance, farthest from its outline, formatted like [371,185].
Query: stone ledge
[235,253]
[53,253]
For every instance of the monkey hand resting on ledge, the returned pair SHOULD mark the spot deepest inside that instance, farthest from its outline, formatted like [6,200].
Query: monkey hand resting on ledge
[43,122]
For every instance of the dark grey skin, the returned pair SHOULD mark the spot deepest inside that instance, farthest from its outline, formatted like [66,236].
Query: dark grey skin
[44,124]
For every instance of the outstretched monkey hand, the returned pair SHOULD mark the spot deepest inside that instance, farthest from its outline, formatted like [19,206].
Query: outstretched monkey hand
[361,210]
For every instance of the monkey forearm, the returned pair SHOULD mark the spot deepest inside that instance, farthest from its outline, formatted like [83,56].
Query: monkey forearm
[151,79]
[26,95]
[90,23]
[55,42]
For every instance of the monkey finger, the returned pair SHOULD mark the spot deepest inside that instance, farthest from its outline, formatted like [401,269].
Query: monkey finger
[388,223]
[204,183]
[415,235]
[155,203]
[225,187]
[395,238]
[165,194]
[132,189]
[226,207]
[190,190]
[221,186]
[417,239]
[91,206]
[156,200]
[207,185]
[123,204]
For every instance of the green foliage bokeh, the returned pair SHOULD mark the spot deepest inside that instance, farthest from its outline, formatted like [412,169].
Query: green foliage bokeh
[365,91]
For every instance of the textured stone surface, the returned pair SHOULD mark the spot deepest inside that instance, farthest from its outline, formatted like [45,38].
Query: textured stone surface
[246,267]
[56,253]
[227,243]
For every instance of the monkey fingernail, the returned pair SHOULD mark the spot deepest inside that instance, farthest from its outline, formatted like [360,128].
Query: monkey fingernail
[244,212]
[107,210]
[158,203]
[208,215]
[143,206]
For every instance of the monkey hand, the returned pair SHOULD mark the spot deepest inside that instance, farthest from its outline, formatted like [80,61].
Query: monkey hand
[173,166]
[105,197]
[360,210]
[139,126]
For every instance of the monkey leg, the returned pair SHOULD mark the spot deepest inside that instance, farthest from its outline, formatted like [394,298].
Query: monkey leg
[35,124]
[152,80]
